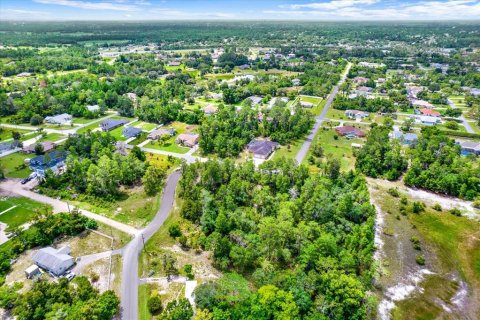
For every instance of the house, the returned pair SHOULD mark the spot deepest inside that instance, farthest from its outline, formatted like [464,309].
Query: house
[53,161]
[428,112]
[174,63]
[24,74]
[131,132]
[132,96]
[371,65]
[261,149]
[210,109]
[7,146]
[93,108]
[255,100]
[216,96]
[360,80]
[47,146]
[296,82]
[274,101]
[413,91]
[111,124]
[428,120]
[244,66]
[404,138]
[363,91]
[155,134]
[469,147]
[59,119]
[350,132]
[421,103]
[32,271]
[354,114]
[306,104]
[188,139]
[55,262]
[121,148]
[291,56]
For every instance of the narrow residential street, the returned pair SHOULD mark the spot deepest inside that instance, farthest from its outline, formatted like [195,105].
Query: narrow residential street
[467,125]
[302,153]
[130,281]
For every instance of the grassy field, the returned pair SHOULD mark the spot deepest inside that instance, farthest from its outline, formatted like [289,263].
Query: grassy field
[117,133]
[14,165]
[288,151]
[318,103]
[23,211]
[147,126]
[81,120]
[52,137]
[336,114]
[6,133]
[340,148]
[451,247]
[170,144]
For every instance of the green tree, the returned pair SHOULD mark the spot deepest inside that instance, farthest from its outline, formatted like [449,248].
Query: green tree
[153,179]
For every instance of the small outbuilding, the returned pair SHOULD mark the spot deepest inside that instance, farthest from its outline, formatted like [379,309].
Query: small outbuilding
[32,271]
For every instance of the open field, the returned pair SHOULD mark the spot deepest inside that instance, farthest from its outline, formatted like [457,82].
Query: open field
[288,151]
[450,246]
[14,165]
[147,126]
[20,210]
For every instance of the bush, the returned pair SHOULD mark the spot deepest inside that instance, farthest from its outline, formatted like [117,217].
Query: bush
[455,212]
[154,304]
[416,243]
[476,204]
[394,192]
[36,120]
[403,200]
[174,231]
[418,207]
[420,260]
[437,207]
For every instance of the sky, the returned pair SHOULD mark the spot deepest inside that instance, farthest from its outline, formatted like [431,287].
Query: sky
[323,10]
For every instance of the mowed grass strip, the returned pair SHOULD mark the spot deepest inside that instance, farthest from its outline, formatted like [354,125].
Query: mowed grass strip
[24,210]
[14,165]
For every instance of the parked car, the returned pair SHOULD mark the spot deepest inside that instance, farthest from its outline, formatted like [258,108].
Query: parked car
[70,276]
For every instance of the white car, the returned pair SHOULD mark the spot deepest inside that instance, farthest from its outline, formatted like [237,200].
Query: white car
[70,276]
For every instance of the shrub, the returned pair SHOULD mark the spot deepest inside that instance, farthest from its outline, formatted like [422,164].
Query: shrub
[420,260]
[174,231]
[403,200]
[394,192]
[154,304]
[418,207]
[476,204]
[455,212]
[416,243]
[437,207]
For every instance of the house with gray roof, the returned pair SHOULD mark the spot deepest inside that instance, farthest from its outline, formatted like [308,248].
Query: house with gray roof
[93,108]
[131,132]
[59,119]
[54,261]
[155,134]
[261,149]
[110,124]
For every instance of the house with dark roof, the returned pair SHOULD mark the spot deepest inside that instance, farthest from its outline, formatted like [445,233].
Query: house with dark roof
[261,149]
[53,161]
[110,124]
[350,132]
[131,132]
[55,262]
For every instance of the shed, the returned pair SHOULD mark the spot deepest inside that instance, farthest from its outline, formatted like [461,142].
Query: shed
[32,271]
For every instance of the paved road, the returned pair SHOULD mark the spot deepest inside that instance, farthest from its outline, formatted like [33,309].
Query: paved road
[16,187]
[129,292]
[302,153]
[467,125]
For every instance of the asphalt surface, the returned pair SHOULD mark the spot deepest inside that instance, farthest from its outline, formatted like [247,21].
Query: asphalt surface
[302,153]
[130,281]
[467,125]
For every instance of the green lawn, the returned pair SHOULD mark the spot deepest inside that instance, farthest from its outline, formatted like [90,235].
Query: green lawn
[14,165]
[52,137]
[336,114]
[117,133]
[318,103]
[340,148]
[169,146]
[288,151]
[82,120]
[24,211]
[6,133]
[147,126]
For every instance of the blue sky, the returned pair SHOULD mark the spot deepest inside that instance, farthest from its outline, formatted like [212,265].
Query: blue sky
[239,10]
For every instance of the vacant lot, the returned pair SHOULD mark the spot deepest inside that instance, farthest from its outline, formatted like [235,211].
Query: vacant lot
[14,165]
[15,211]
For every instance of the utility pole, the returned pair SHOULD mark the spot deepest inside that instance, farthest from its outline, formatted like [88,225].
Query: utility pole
[144,247]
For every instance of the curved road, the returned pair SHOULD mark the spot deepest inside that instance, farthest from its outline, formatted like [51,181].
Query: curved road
[129,292]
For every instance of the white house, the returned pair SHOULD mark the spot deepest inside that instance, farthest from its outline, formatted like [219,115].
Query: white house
[56,262]
[59,119]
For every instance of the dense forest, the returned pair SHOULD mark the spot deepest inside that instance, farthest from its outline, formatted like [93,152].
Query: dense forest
[304,241]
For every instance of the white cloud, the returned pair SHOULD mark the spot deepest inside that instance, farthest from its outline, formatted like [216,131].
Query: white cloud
[335,4]
[360,10]
[23,14]
[91,5]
